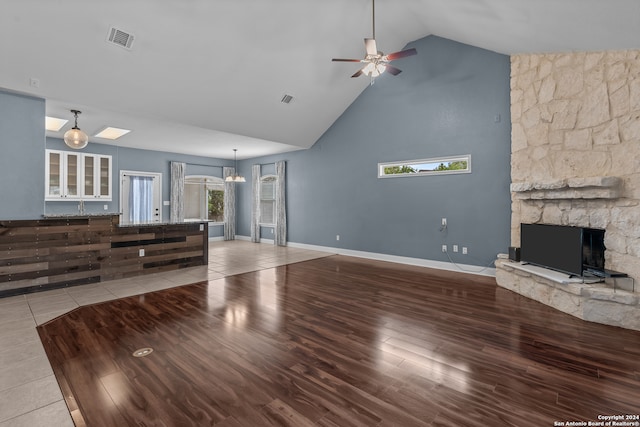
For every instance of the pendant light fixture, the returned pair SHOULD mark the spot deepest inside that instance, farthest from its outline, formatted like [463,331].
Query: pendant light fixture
[74,137]
[235,177]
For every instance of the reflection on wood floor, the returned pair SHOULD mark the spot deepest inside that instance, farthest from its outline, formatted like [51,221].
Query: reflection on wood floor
[340,341]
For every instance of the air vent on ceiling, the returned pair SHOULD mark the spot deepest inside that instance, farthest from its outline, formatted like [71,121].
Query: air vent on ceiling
[286,99]
[120,38]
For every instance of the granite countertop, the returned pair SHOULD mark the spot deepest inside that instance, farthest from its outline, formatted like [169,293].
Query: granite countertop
[77,215]
[154,224]
[111,214]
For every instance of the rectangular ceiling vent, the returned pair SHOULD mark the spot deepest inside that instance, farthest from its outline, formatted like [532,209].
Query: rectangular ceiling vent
[120,38]
[286,99]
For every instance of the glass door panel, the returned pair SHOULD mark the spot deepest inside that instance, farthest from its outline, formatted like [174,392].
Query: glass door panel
[54,187]
[105,176]
[89,176]
[73,167]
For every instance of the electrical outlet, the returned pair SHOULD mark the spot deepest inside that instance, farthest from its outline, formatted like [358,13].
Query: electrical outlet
[464,250]
[444,222]
[444,248]
[337,237]
[455,248]
[106,207]
[141,252]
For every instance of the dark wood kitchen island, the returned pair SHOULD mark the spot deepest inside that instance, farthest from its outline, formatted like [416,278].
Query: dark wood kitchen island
[63,251]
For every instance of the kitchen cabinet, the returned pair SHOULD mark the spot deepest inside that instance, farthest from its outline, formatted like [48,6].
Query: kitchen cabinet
[77,176]
[96,177]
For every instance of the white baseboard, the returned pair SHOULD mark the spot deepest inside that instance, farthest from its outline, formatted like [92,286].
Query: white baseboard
[440,265]
[248,239]
[216,239]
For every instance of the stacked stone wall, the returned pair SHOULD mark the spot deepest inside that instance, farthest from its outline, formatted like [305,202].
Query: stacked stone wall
[576,116]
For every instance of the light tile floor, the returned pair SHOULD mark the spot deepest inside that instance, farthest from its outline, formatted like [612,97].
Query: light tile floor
[29,392]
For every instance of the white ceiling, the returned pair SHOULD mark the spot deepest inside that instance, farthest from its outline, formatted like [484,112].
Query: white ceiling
[206,76]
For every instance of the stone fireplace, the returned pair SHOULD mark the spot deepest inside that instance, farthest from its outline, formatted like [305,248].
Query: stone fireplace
[575,160]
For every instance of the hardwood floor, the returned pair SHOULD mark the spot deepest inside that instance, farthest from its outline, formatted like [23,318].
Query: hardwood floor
[340,341]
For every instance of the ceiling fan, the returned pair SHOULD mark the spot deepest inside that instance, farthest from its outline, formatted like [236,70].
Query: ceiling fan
[377,62]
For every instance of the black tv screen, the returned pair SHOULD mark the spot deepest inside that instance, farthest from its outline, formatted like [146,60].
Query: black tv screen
[563,248]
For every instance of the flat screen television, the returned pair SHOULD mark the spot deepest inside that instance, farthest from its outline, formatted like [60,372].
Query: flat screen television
[568,249]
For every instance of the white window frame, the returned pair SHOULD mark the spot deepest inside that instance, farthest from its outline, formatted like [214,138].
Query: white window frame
[275,184]
[434,160]
[204,208]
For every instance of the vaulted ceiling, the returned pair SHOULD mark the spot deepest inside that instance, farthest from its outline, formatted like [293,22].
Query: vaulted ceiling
[205,76]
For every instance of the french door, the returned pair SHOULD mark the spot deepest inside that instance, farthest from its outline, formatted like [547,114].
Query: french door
[140,197]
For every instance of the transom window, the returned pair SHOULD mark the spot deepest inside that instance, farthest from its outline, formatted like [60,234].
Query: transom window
[434,166]
[268,199]
[204,198]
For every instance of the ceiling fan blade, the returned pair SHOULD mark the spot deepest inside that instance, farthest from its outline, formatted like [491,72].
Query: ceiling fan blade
[370,46]
[357,74]
[346,60]
[401,54]
[393,70]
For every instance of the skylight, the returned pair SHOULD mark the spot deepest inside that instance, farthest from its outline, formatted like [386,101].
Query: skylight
[112,133]
[53,123]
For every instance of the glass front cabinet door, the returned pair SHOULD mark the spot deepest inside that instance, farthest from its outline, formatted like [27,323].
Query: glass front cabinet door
[71,171]
[97,177]
[89,175]
[104,174]
[63,175]
[53,172]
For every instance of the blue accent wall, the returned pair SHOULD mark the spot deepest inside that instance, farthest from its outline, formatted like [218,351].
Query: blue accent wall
[22,158]
[450,99]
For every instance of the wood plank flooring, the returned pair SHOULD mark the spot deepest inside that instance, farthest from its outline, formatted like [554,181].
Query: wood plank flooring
[340,341]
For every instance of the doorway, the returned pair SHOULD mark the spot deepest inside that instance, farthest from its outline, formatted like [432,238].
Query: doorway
[140,197]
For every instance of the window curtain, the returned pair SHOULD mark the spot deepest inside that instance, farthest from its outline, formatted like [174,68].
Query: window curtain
[255,204]
[177,191]
[140,199]
[229,205]
[281,211]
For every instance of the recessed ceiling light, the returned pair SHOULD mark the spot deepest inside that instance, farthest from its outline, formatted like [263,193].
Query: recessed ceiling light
[53,123]
[111,133]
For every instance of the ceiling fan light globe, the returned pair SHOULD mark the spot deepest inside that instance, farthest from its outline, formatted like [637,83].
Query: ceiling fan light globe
[76,138]
[380,68]
[369,69]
